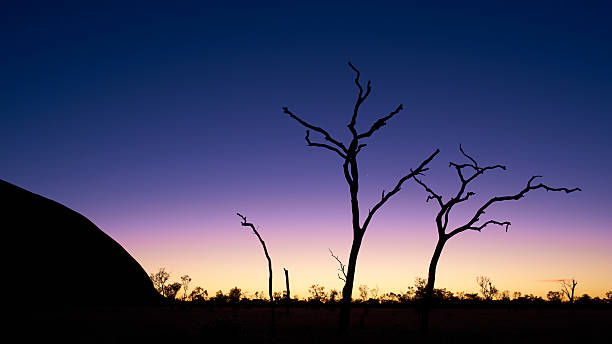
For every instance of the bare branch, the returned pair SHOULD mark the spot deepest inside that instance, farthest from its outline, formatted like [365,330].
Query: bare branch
[322,145]
[398,186]
[515,197]
[327,136]
[360,98]
[359,148]
[479,228]
[474,165]
[380,122]
[459,197]
[432,194]
[342,266]
[244,220]
[469,157]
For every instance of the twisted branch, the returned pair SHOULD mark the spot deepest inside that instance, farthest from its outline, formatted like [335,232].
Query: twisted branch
[360,99]
[462,195]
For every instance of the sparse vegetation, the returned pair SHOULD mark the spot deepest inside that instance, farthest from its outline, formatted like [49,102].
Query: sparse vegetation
[318,294]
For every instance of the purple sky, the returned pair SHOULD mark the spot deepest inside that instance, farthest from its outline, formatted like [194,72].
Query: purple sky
[159,124]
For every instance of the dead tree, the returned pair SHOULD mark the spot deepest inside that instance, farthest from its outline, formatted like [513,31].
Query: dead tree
[348,154]
[288,296]
[567,288]
[263,244]
[474,223]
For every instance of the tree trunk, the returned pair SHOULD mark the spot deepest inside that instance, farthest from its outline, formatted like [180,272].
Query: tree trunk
[270,280]
[288,296]
[347,291]
[287,283]
[431,280]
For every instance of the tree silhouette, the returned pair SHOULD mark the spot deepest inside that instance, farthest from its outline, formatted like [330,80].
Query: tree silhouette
[474,223]
[363,292]
[288,291]
[159,280]
[487,288]
[317,293]
[185,279]
[554,296]
[348,154]
[263,244]
[567,288]
[172,290]
[198,294]
[234,295]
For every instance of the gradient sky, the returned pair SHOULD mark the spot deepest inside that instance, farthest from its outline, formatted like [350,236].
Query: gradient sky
[160,123]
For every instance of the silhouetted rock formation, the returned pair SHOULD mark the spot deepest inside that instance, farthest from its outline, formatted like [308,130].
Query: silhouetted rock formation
[59,257]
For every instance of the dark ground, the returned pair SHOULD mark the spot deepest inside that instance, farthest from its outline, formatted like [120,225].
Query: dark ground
[227,324]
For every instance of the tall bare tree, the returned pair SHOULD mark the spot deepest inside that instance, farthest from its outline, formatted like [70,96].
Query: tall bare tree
[348,154]
[265,249]
[568,287]
[263,244]
[288,295]
[474,223]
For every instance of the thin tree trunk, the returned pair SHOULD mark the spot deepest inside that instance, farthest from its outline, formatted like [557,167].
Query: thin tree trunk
[347,291]
[263,244]
[287,283]
[273,319]
[288,296]
[431,280]
[270,279]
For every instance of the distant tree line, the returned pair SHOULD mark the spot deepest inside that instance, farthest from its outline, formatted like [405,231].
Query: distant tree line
[488,294]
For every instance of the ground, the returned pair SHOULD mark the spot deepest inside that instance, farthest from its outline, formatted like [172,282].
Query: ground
[312,325]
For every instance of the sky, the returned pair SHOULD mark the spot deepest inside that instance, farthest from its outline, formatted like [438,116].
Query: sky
[160,122]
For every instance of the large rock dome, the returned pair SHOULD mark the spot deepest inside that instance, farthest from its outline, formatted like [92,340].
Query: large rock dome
[57,256]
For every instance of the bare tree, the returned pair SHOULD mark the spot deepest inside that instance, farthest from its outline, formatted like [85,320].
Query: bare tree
[185,279]
[348,154]
[288,295]
[263,244]
[474,223]
[568,287]
[487,288]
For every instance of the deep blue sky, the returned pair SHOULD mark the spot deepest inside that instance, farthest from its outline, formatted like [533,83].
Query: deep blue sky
[161,122]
